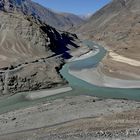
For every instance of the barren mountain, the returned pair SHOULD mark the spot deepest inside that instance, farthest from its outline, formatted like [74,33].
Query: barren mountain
[31,53]
[61,21]
[117,27]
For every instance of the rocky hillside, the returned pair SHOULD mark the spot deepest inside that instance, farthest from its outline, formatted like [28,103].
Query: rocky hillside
[117,26]
[31,53]
[61,21]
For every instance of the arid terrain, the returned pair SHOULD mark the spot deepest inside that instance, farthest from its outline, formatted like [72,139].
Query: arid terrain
[117,27]
[36,43]
[30,56]
[81,117]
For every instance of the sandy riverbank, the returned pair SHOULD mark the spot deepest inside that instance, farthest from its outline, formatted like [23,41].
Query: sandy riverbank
[83,53]
[96,77]
[122,59]
[45,93]
[121,67]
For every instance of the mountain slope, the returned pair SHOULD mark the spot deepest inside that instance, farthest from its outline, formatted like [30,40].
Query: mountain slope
[31,53]
[61,21]
[117,26]
[117,22]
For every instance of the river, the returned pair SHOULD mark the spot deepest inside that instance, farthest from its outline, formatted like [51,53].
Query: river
[103,92]
[80,87]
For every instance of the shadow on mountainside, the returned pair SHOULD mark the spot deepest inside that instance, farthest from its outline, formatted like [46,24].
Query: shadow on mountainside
[60,42]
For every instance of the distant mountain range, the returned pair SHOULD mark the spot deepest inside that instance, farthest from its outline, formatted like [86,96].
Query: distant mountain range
[61,21]
[86,16]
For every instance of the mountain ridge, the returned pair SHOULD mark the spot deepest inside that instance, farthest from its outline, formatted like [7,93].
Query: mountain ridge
[28,7]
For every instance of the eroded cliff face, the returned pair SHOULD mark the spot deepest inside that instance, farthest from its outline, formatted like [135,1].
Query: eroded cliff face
[31,53]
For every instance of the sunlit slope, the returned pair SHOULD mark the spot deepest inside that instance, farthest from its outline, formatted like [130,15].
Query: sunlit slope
[117,27]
